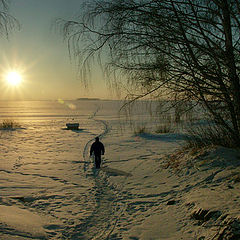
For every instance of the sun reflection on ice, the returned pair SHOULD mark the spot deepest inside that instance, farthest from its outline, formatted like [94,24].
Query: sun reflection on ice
[70,105]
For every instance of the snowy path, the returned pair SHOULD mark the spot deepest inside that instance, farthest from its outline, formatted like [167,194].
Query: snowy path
[117,205]
[97,225]
[111,201]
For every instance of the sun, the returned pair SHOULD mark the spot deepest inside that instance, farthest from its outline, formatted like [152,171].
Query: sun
[14,78]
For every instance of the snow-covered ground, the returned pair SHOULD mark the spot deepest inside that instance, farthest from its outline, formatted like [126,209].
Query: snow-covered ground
[49,188]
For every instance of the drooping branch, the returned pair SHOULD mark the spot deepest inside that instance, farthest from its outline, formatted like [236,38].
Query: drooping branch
[7,22]
[187,47]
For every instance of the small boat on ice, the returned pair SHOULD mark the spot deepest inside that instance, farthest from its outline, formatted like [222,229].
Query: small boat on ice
[72,126]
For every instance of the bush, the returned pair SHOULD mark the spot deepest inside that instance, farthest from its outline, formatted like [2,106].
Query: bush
[164,129]
[140,130]
[9,124]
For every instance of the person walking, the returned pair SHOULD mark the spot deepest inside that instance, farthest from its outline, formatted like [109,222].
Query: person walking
[98,149]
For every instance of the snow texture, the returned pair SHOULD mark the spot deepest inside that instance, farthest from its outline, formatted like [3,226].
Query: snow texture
[49,188]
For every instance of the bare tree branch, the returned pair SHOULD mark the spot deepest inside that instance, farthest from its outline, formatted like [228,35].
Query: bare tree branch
[189,47]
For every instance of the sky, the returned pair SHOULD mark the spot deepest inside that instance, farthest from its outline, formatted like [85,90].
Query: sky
[39,54]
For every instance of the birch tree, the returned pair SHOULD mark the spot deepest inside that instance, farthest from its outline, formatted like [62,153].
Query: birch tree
[177,50]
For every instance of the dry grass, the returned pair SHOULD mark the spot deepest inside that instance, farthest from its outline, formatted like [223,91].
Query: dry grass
[199,143]
[9,124]
[236,177]
[166,128]
[186,155]
[211,134]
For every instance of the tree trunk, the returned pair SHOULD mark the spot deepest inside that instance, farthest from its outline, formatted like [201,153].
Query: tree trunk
[232,72]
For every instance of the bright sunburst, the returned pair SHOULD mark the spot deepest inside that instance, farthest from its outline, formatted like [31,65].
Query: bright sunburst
[14,78]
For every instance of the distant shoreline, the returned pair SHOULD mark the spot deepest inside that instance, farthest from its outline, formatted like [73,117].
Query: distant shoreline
[86,99]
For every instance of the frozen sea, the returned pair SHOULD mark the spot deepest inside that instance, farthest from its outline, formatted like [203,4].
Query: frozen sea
[49,188]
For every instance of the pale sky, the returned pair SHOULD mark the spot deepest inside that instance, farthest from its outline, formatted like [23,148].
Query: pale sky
[40,55]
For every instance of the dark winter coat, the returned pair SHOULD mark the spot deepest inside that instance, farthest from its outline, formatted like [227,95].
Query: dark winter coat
[97,148]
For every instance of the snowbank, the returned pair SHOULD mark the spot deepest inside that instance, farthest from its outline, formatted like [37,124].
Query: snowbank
[21,221]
